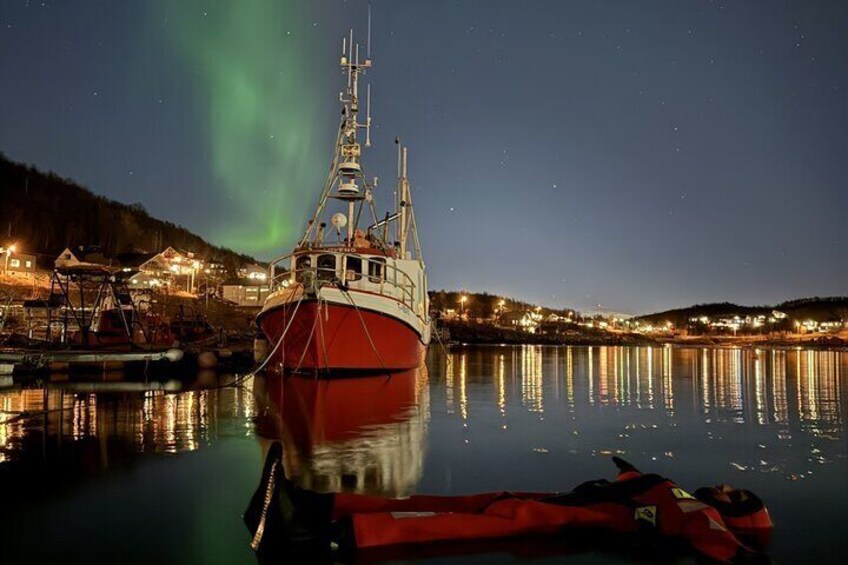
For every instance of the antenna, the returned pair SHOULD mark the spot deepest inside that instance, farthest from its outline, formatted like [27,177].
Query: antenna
[397,142]
[368,43]
[368,116]
[349,74]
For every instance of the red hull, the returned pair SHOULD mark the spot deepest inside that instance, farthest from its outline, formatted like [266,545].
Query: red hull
[338,341]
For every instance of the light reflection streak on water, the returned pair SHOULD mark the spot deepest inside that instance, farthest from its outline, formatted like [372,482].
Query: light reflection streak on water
[603,380]
[666,382]
[569,377]
[760,391]
[778,370]
[637,373]
[532,394]
[591,377]
[501,387]
[449,384]
[705,384]
[463,387]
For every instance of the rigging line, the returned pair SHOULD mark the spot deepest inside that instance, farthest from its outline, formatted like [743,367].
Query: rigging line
[321,329]
[238,380]
[347,295]
[328,185]
[309,340]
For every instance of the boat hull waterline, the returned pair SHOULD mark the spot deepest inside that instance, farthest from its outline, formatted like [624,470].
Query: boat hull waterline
[333,337]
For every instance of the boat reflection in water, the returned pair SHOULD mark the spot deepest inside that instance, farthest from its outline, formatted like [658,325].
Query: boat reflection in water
[359,434]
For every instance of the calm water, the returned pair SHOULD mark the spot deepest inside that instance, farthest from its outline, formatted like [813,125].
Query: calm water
[123,471]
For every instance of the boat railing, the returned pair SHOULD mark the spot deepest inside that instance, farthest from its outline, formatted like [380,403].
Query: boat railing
[390,280]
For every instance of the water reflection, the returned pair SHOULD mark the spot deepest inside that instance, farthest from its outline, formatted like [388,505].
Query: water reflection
[364,434]
[782,391]
[125,414]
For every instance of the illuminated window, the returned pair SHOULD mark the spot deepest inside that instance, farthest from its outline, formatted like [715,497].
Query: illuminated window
[353,266]
[28,264]
[376,269]
[326,267]
[14,262]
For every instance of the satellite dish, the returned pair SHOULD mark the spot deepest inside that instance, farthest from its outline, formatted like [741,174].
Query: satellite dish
[339,220]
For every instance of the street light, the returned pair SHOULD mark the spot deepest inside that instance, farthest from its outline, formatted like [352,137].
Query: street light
[501,306]
[462,302]
[8,251]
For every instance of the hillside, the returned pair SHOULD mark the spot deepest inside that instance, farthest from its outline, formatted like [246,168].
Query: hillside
[482,304]
[820,309]
[45,213]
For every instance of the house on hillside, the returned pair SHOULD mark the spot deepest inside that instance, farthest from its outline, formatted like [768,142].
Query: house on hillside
[81,255]
[245,291]
[20,265]
[168,267]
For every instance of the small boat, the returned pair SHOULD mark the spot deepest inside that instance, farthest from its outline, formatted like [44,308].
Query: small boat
[352,295]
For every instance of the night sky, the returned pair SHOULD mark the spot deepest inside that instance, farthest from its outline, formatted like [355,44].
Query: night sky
[634,155]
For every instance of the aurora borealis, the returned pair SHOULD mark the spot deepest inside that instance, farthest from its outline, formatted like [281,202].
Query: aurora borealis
[258,106]
[637,156]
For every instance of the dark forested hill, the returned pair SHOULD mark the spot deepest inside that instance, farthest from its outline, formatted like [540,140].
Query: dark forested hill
[819,309]
[45,213]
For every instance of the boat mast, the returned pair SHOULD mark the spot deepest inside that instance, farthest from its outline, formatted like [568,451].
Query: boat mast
[404,211]
[403,201]
[346,171]
[349,150]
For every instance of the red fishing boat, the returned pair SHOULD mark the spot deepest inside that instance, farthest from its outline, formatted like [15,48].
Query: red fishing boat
[352,295]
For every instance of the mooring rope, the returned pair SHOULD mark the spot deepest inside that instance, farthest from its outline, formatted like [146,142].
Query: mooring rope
[311,335]
[240,378]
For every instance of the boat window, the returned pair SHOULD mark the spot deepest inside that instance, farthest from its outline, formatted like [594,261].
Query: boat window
[326,267]
[302,265]
[353,268]
[376,269]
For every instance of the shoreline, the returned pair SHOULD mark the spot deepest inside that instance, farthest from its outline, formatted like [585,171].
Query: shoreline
[485,334]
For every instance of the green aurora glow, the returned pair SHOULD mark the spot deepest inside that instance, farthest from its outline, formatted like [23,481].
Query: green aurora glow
[254,64]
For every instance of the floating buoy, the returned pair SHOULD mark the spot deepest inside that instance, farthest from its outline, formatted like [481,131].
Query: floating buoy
[260,349]
[174,355]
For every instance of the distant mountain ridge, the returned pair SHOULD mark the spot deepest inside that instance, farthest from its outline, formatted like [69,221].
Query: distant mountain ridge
[46,213]
[830,308]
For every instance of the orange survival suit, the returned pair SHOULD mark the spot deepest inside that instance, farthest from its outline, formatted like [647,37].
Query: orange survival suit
[632,503]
